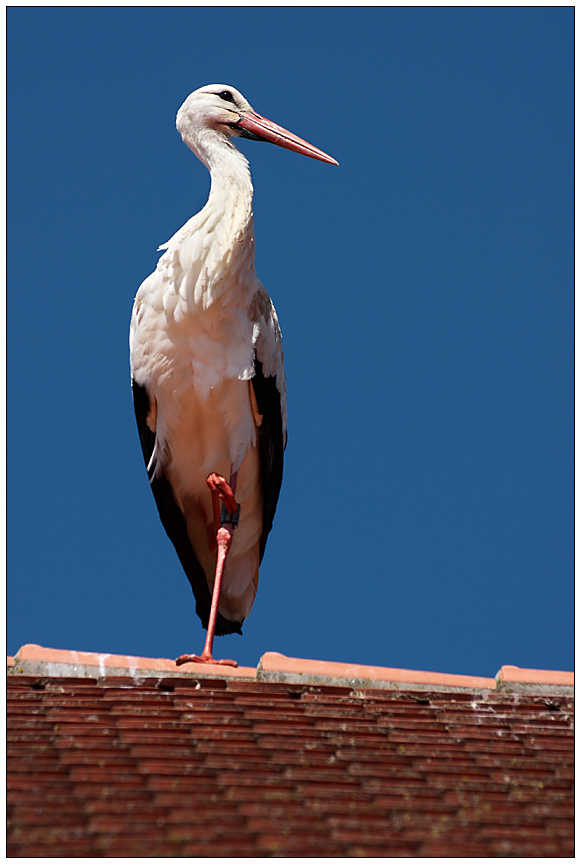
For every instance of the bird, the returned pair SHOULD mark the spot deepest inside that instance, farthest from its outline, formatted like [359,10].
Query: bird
[207,372]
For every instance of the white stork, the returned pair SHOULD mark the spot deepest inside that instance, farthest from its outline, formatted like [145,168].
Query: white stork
[208,375]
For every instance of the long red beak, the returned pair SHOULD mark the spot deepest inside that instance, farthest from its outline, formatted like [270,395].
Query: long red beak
[260,128]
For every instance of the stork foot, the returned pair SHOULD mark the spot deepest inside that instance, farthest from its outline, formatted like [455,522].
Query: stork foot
[205,658]
[223,490]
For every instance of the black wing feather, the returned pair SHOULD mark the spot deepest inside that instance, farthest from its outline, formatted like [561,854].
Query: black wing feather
[271,444]
[174,522]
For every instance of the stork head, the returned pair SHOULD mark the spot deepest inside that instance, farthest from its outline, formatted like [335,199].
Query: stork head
[222,109]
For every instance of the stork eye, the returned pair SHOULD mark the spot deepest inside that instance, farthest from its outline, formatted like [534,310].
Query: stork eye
[227,96]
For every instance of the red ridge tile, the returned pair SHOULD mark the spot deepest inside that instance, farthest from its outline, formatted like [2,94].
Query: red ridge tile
[273,662]
[515,675]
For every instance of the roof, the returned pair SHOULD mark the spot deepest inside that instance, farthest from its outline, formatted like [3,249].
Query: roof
[131,757]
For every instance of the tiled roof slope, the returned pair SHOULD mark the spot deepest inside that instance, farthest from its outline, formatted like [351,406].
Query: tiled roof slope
[267,763]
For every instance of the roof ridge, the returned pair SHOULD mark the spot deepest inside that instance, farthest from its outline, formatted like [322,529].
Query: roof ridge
[51,662]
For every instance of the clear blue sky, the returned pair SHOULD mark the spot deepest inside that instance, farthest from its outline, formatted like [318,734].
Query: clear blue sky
[425,293]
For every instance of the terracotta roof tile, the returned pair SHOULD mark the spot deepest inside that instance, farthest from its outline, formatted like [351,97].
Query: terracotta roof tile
[126,757]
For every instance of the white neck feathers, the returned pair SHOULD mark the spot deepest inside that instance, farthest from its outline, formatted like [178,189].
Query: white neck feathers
[215,248]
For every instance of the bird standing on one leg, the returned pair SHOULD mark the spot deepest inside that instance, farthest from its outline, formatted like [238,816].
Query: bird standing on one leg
[208,374]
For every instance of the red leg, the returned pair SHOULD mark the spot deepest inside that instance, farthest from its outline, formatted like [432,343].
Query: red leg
[210,528]
[221,491]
